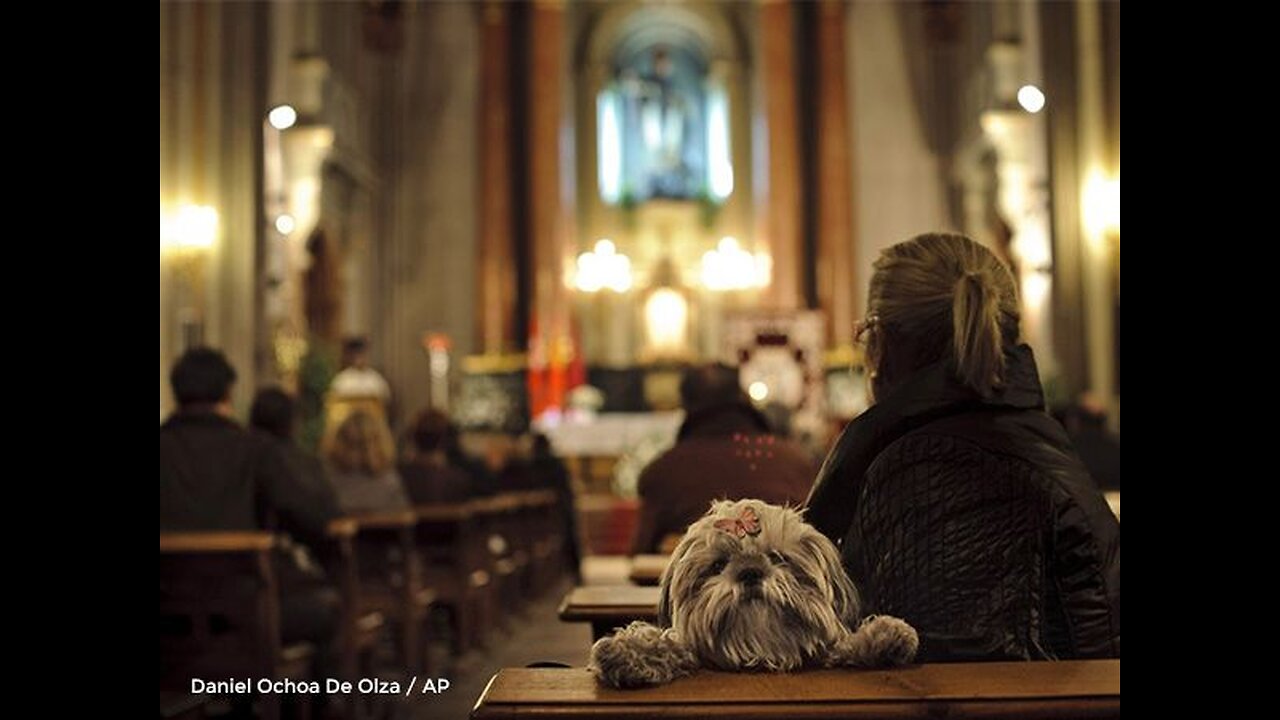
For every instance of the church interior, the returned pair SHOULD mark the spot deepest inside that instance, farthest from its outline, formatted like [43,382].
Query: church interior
[506,232]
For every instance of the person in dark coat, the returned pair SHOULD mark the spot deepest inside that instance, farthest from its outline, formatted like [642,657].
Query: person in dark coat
[724,450]
[429,476]
[1099,448]
[215,476]
[274,414]
[959,505]
[549,472]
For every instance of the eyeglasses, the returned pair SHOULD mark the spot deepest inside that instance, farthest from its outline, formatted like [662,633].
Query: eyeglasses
[862,329]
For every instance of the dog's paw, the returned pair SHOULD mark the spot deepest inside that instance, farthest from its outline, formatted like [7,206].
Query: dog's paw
[640,655]
[891,640]
[880,640]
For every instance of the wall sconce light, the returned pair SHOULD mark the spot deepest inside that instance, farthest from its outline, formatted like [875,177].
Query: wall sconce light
[603,267]
[187,236]
[1102,204]
[192,227]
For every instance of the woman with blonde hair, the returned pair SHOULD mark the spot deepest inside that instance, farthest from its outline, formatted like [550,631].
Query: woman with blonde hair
[361,458]
[958,503]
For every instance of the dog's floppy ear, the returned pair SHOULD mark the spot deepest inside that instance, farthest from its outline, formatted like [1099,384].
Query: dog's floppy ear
[664,596]
[845,600]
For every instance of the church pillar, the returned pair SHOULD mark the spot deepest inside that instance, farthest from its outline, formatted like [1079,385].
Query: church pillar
[1099,302]
[495,264]
[550,188]
[835,272]
[780,222]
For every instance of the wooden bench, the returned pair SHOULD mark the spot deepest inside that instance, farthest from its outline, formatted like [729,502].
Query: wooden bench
[492,522]
[545,537]
[360,628]
[456,564]
[220,614]
[609,607]
[647,570]
[391,582]
[1068,689]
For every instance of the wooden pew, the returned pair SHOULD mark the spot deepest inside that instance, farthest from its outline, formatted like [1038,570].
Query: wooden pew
[646,570]
[456,564]
[360,628]
[609,607]
[1030,690]
[544,536]
[220,614]
[391,578]
[491,518]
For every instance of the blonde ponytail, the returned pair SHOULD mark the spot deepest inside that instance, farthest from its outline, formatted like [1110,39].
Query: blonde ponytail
[939,296]
[975,317]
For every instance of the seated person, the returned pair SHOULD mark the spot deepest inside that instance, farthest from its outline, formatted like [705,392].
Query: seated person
[959,505]
[549,472]
[274,415]
[360,458]
[724,449]
[1099,448]
[215,476]
[483,480]
[430,476]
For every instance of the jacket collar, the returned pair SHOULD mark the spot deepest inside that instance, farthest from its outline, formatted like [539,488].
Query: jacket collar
[931,393]
[192,418]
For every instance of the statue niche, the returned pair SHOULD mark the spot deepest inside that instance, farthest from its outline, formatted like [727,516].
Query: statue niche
[662,125]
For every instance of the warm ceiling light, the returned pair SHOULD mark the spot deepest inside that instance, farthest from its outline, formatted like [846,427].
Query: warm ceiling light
[1031,98]
[282,117]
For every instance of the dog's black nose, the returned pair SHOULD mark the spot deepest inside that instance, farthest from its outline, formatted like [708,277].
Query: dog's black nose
[750,576]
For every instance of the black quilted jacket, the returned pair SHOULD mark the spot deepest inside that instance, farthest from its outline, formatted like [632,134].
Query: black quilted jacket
[975,521]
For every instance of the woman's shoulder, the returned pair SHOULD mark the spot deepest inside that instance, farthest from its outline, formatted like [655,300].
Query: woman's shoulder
[1004,431]
[1022,442]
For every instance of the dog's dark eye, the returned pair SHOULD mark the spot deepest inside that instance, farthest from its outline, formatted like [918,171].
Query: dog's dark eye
[718,566]
[777,558]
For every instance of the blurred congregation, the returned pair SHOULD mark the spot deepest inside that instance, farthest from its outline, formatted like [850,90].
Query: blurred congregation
[468,310]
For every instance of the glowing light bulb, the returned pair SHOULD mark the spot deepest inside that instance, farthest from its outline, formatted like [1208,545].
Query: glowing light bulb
[282,117]
[1031,98]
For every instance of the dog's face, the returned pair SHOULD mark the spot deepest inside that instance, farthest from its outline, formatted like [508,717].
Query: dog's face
[752,586]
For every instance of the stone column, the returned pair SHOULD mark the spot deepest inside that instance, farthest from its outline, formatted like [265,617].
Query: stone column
[780,222]
[495,264]
[1096,269]
[835,213]
[550,167]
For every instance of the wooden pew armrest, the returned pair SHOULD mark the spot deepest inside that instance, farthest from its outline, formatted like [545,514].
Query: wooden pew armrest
[213,542]
[382,520]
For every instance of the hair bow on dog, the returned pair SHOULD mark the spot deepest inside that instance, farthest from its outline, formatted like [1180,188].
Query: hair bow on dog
[747,523]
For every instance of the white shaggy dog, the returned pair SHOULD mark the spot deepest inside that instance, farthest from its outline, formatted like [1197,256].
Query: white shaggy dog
[751,587]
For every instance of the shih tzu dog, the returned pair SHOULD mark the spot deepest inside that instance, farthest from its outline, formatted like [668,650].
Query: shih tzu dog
[751,586]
